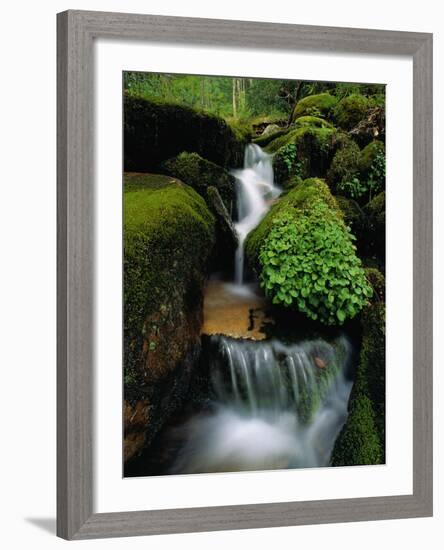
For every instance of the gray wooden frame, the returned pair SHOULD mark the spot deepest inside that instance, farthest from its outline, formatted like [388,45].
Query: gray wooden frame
[77,31]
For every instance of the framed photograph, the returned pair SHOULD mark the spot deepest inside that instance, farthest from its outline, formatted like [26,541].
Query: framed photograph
[244,275]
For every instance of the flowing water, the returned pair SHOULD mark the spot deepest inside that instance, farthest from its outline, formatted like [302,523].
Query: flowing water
[274,406]
[255,191]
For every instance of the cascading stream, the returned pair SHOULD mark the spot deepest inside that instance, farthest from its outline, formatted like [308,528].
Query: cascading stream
[275,406]
[255,191]
[272,405]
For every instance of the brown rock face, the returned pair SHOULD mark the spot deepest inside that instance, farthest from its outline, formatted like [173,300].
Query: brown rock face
[320,363]
[170,346]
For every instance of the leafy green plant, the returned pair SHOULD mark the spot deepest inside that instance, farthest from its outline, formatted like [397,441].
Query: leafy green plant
[376,177]
[288,156]
[369,186]
[308,261]
[353,188]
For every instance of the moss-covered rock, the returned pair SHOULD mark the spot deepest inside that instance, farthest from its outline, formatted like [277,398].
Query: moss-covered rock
[351,110]
[375,212]
[168,237]
[264,140]
[305,257]
[354,217]
[200,174]
[368,157]
[313,121]
[314,105]
[156,131]
[305,151]
[362,439]
[358,443]
[345,165]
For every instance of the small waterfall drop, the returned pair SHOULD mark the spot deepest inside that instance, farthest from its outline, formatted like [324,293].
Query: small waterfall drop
[255,192]
[275,406]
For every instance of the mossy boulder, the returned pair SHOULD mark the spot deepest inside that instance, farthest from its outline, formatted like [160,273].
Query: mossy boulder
[354,218]
[264,140]
[351,110]
[200,174]
[155,131]
[362,439]
[358,443]
[314,121]
[368,157]
[305,257]
[345,164]
[314,105]
[305,152]
[169,234]
[375,212]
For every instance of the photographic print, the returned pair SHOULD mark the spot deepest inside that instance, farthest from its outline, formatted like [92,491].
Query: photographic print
[253,274]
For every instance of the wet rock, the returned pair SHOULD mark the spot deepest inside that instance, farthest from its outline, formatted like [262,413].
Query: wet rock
[226,237]
[270,129]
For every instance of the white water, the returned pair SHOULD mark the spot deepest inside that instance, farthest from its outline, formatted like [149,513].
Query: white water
[274,407]
[255,191]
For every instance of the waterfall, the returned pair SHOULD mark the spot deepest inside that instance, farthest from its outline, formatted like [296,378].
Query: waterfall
[255,191]
[274,406]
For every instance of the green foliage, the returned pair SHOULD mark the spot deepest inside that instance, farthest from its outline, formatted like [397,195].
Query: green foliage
[377,174]
[307,259]
[200,174]
[350,110]
[314,105]
[359,175]
[353,188]
[288,156]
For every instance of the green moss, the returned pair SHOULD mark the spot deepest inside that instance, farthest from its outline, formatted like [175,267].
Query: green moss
[362,439]
[306,152]
[368,156]
[305,257]
[312,121]
[200,174]
[168,236]
[351,110]
[345,165]
[314,105]
[358,443]
[264,140]
[353,217]
[155,131]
